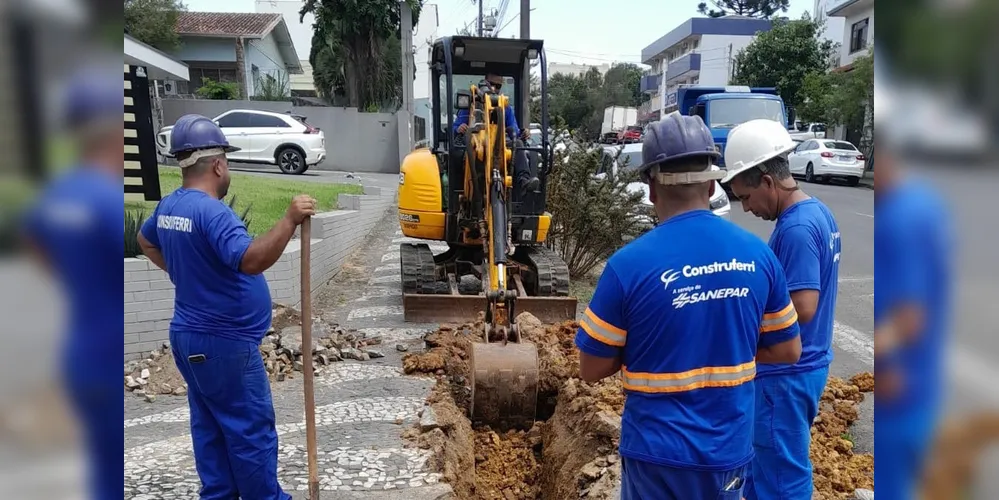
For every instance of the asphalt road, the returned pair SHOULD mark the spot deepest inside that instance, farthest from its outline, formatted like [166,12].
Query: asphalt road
[853,332]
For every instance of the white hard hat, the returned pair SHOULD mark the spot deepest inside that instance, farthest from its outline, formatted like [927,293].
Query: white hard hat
[753,143]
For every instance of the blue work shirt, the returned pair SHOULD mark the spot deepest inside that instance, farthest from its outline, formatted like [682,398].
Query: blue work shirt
[77,221]
[912,266]
[511,120]
[807,243]
[685,306]
[203,242]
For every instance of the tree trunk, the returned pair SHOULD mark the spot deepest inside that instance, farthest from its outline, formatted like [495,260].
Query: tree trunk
[241,70]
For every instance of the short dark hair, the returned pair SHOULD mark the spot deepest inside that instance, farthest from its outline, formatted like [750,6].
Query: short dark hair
[776,167]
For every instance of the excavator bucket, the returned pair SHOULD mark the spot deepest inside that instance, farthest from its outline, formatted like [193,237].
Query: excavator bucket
[454,308]
[504,384]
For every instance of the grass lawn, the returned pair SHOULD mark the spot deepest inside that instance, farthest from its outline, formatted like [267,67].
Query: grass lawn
[267,197]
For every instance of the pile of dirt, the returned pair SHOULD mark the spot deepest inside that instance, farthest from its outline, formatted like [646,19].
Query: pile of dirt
[281,349]
[837,470]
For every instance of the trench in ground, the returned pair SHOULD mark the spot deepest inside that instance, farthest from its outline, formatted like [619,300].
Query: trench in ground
[571,452]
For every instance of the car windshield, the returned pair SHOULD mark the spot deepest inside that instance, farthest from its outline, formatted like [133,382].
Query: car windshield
[630,159]
[727,113]
[839,145]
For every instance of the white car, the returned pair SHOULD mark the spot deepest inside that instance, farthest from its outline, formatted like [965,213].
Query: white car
[631,157]
[821,159]
[281,139]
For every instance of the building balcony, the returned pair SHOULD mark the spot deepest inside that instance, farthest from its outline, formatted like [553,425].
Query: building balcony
[650,83]
[683,66]
[847,8]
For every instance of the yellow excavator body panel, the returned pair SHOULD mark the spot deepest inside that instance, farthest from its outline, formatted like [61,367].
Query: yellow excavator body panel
[420,209]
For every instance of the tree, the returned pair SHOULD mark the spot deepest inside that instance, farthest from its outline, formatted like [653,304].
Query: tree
[355,43]
[783,57]
[842,97]
[580,100]
[154,22]
[764,9]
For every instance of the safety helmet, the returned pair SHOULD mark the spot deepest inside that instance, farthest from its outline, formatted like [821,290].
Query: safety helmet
[753,143]
[674,137]
[91,96]
[199,135]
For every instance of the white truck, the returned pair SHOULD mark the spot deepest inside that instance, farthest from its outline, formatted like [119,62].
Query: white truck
[805,131]
[616,119]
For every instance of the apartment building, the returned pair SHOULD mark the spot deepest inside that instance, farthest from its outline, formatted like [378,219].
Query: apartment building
[699,51]
[858,27]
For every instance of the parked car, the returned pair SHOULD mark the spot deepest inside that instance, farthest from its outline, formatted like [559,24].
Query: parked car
[283,139]
[809,131]
[631,157]
[821,159]
[629,135]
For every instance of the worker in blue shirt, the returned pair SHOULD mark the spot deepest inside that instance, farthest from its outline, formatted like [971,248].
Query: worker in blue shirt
[222,311]
[75,231]
[807,242]
[912,314]
[526,179]
[685,312]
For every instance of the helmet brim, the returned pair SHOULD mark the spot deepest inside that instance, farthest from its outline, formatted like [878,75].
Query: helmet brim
[714,155]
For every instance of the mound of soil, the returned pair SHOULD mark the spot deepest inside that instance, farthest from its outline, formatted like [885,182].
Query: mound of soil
[837,470]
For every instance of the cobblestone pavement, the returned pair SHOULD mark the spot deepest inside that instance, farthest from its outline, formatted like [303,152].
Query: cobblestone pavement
[361,407]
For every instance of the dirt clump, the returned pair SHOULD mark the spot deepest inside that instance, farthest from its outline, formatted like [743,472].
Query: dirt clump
[837,470]
[506,465]
[864,381]
[446,432]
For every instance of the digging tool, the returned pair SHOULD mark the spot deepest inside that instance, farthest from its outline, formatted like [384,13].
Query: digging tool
[310,396]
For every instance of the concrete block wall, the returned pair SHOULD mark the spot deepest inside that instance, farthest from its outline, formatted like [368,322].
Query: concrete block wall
[149,294]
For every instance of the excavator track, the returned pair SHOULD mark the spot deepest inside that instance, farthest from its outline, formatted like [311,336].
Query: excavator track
[552,273]
[416,264]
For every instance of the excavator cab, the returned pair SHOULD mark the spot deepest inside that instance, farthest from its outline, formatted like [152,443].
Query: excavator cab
[463,190]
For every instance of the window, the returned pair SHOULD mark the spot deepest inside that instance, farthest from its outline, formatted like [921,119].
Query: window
[267,121]
[727,113]
[858,35]
[839,145]
[233,120]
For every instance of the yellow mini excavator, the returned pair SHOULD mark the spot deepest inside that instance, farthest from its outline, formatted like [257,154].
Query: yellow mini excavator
[461,190]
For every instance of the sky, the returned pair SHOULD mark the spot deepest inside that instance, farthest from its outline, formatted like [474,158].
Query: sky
[598,32]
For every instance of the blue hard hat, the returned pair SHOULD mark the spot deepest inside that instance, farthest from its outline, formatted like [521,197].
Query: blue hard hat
[676,136]
[91,96]
[193,132]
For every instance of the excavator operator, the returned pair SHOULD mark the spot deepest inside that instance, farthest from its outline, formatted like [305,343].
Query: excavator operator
[525,179]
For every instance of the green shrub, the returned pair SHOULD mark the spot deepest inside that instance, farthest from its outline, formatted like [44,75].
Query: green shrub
[135,218]
[591,218]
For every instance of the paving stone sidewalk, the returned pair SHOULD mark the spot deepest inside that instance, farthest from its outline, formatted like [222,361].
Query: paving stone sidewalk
[361,407]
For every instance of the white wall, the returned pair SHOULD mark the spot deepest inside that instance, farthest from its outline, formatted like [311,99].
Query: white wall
[264,54]
[301,35]
[833,28]
[845,56]
[206,49]
[424,34]
[717,53]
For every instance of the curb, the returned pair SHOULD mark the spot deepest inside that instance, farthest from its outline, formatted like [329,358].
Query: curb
[439,491]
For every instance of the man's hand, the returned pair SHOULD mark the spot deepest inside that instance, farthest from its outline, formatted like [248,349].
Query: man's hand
[462,128]
[302,206]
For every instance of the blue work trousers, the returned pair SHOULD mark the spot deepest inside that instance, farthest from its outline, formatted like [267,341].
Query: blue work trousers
[93,395]
[648,481]
[232,417]
[900,453]
[786,405]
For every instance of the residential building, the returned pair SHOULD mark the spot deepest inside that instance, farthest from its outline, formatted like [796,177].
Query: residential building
[701,51]
[575,69]
[833,26]
[250,49]
[858,27]
[301,37]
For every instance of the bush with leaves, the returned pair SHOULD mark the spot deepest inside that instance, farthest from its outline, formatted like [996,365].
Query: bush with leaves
[591,218]
[135,218]
[219,91]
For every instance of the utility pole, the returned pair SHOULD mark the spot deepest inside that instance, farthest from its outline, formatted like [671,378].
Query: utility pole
[525,34]
[480,18]
[405,115]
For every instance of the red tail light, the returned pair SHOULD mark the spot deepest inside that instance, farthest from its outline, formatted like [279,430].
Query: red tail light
[309,129]
[826,154]
[861,157]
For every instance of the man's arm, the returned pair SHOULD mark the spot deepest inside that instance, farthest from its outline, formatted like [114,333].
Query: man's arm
[511,120]
[149,241]
[460,119]
[264,251]
[798,252]
[780,335]
[600,339]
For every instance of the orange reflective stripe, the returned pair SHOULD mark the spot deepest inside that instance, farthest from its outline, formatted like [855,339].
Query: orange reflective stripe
[710,376]
[779,320]
[602,330]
